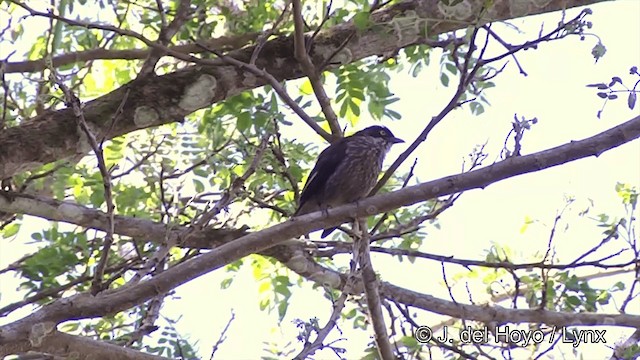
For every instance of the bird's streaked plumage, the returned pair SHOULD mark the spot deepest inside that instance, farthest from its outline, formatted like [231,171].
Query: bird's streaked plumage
[346,171]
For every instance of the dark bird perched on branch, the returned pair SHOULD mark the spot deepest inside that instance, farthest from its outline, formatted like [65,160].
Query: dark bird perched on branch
[346,171]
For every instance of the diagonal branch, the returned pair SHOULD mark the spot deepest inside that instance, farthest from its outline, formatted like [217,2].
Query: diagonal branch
[627,345]
[55,210]
[110,301]
[466,76]
[51,341]
[302,55]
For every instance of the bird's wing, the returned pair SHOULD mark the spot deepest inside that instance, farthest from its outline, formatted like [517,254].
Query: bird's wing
[328,161]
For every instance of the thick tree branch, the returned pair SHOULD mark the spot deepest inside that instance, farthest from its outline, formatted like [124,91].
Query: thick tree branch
[111,301]
[168,98]
[54,342]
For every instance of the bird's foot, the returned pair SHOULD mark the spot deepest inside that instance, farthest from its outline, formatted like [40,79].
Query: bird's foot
[325,211]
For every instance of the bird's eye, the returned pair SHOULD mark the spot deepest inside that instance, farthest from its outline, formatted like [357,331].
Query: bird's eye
[383,133]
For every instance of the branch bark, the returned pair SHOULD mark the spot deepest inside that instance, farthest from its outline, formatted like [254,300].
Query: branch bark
[75,347]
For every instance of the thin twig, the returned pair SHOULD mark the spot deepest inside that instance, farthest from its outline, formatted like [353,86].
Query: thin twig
[166,34]
[318,343]
[262,39]
[5,87]
[120,31]
[465,78]
[73,102]
[404,184]
[43,174]
[235,187]
[58,290]
[342,248]
[139,163]
[222,337]
[115,117]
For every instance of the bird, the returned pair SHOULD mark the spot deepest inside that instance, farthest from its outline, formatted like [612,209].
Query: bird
[346,171]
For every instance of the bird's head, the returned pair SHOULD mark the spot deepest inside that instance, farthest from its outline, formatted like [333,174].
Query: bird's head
[380,132]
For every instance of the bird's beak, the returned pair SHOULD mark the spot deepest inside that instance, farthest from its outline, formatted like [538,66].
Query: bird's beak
[396,140]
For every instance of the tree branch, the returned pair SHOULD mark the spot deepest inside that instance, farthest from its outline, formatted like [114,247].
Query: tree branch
[372,294]
[51,341]
[302,55]
[619,350]
[111,301]
[222,43]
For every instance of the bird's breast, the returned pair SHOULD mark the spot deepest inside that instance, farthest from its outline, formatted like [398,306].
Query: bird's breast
[357,173]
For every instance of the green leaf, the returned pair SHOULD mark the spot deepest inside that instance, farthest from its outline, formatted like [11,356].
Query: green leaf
[224,284]
[343,109]
[392,114]
[362,20]
[243,121]
[282,309]
[198,185]
[355,107]
[410,342]
[574,300]
[264,287]
[10,230]
[306,88]
[451,67]
[444,79]
[350,314]
[598,51]
[97,196]
[416,69]
[264,303]
[619,286]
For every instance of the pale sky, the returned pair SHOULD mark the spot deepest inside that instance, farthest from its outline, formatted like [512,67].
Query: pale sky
[554,92]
